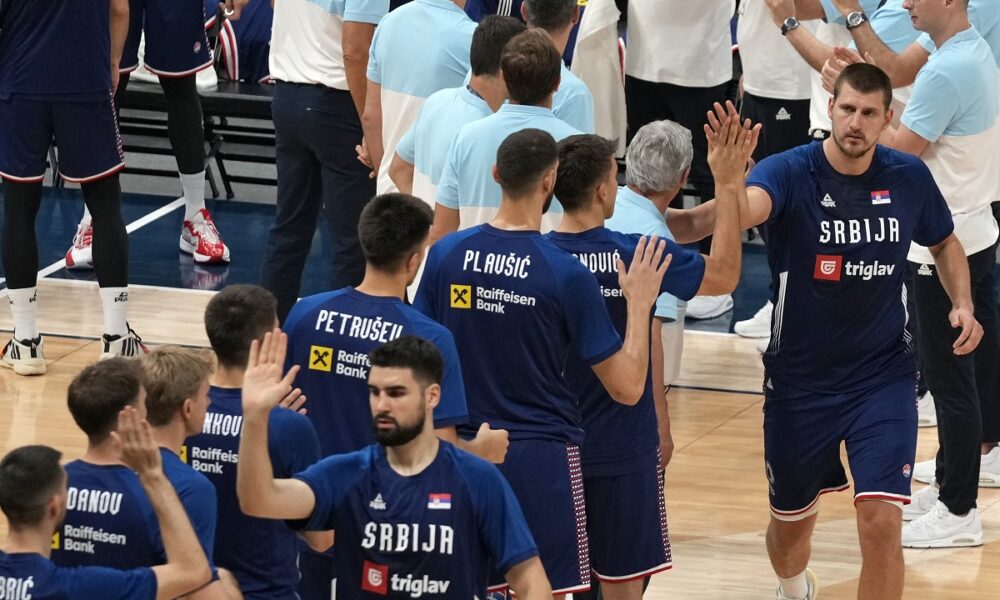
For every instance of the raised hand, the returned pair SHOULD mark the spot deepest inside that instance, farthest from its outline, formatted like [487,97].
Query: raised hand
[294,401]
[135,440]
[491,444]
[641,282]
[731,144]
[263,384]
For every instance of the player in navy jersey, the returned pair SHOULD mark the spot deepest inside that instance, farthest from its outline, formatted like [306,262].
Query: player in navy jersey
[260,553]
[840,366]
[33,497]
[55,83]
[331,334]
[244,44]
[622,478]
[518,307]
[177,383]
[414,515]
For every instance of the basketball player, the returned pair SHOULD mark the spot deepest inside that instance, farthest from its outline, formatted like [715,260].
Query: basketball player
[46,94]
[420,155]
[332,333]
[244,44]
[622,478]
[261,553]
[842,215]
[536,304]
[177,383]
[33,496]
[414,515]
[467,194]
[176,49]
[418,49]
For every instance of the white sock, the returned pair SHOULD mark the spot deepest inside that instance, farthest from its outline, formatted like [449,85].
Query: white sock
[795,587]
[24,312]
[194,194]
[114,301]
[85,221]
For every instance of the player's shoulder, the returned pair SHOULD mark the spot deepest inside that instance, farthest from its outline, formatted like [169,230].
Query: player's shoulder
[441,99]
[564,266]
[313,303]
[892,158]
[572,84]
[286,425]
[183,476]
[473,469]
[424,326]
[355,462]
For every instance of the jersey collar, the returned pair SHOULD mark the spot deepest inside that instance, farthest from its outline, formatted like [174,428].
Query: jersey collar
[627,196]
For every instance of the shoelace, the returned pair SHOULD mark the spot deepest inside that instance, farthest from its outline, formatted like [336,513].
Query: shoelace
[206,230]
[85,239]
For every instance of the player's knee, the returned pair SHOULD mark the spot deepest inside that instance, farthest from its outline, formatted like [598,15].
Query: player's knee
[789,533]
[879,523]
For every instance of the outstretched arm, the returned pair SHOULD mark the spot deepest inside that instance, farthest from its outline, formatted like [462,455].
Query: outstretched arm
[260,494]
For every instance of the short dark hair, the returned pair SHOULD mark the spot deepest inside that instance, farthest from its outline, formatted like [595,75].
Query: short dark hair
[99,392]
[523,159]
[29,476]
[551,15]
[392,227]
[235,317]
[865,78]
[531,66]
[488,42]
[414,353]
[584,162]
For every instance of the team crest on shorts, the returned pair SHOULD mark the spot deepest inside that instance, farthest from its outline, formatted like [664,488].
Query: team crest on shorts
[906,471]
[197,47]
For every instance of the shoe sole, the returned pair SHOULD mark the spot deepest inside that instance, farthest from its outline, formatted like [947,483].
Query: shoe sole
[752,336]
[991,480]
[187,248]
[712,315]
[962,540]
[923,479]
[78,266]
[27,368]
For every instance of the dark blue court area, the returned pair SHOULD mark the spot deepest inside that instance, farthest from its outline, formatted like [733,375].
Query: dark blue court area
[156,261]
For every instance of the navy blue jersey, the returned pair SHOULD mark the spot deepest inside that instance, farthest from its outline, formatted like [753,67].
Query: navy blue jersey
[55,47]
[25,576]
[614,432]
[244,45]
[518,306]
[197,495]
[435,533]
[261,553]
[330,336]
[109,520]
[837,253]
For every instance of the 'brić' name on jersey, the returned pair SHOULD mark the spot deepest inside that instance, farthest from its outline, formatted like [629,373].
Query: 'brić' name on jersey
[856,231]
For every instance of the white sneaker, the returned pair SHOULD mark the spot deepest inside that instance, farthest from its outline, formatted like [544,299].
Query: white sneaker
[921,502]
[924,471]
[759,326]
[200,238]
[926,415]
[941,529]
[81,253]
[25,357]
[709,307]
[129,345]
[989,468]
[812,584]
[763,344]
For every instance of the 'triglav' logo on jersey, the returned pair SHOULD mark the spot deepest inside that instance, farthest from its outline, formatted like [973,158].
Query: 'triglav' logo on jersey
[828,268]
[375,578]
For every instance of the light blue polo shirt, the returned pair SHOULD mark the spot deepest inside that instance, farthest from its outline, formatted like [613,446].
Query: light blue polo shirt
[573,102]
[893,26]
[466,182]
[634,213]
[985,17]
[418,49]
[426,144]
[835,17]
[955,93]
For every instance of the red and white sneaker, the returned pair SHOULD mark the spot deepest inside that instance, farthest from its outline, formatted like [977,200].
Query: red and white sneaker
[201,240]
[81,254]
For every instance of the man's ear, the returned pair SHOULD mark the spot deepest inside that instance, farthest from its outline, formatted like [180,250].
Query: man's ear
[496,175]
[432,395]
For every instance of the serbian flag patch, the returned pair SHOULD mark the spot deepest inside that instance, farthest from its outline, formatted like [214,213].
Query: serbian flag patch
[881,197]
[439,501]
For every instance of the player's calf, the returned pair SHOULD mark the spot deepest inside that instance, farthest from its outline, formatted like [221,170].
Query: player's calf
[880,524]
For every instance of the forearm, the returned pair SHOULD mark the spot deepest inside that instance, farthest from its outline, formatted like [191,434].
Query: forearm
[953,272]
[528,580]
[255,486]
[320,541]
[813,51]
[371,121]
[870,44]
[689,225]
[809,9]
[657,360]
[446,220]
[722,265]
[119,30]
[187,567]
[401,173]
[633,358]
[357,38]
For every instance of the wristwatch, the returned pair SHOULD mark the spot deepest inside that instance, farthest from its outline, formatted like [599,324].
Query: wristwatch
[790,24]
[856,19]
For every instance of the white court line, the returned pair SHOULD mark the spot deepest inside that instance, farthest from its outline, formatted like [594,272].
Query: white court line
[130,228]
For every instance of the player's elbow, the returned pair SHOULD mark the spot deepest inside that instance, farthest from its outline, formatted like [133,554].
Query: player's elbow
[627,392]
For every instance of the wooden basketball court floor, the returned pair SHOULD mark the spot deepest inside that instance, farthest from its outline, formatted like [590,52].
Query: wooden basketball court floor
[716,491]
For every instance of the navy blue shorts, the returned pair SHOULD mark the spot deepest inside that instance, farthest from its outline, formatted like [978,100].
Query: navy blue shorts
[802,436]
[628,505]
[548,483]
[176,44]
[85,133]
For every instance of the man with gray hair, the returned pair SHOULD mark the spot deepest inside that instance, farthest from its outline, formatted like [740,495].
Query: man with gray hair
[658,162]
